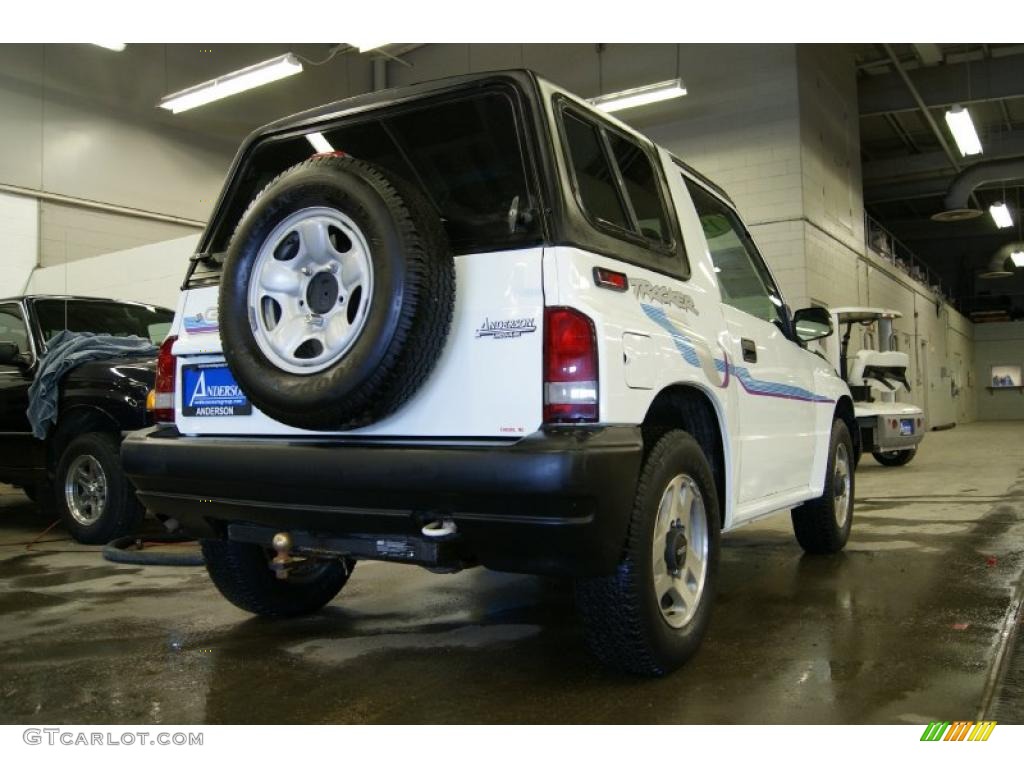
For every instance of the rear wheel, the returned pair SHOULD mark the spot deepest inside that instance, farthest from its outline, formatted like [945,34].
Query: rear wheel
[822,525]
[94,497]
[650,616]
[241,572]
[894,458]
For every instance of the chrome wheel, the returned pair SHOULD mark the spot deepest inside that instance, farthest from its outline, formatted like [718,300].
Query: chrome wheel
[85,489]
[841,485]
[679,552]
[310,290]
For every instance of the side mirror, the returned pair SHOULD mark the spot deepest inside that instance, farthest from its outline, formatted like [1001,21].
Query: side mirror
[812,323]
[10,354]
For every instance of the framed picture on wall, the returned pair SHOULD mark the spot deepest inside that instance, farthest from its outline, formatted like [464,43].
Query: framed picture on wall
[1006,376]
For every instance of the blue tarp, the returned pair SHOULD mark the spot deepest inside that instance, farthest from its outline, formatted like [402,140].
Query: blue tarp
[67,350]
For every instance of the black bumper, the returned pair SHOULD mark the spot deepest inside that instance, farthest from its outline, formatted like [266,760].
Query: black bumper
[556,501]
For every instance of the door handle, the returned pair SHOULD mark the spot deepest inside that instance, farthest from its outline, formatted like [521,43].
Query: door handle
[749,350]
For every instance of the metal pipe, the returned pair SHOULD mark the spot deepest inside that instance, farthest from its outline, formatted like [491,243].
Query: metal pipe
[987,172]
[95,205]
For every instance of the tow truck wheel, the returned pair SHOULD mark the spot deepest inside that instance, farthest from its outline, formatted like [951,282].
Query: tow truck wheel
[894,458]
[650,616]
[242,573]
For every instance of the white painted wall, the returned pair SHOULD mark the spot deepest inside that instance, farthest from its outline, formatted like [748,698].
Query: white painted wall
[19,242]
[150,273]
[998,344]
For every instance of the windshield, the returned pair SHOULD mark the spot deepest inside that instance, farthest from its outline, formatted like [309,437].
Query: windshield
[110,317]
[465,152]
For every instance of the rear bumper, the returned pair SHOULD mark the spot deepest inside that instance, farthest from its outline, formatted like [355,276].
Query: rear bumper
[557,501]
[879,434]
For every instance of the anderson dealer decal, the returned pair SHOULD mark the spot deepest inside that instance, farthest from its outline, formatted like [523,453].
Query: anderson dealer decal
[506,329]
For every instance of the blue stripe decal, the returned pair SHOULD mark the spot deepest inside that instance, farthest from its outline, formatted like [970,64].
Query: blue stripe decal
[690,351]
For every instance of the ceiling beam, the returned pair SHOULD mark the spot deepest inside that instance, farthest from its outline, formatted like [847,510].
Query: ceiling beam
[906,167]
[989,79]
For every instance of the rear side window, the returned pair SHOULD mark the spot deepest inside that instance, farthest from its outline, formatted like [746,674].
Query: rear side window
[641,187]
[615,180]
[599,193]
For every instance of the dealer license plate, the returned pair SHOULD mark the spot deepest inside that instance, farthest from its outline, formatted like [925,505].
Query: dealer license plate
[209,389]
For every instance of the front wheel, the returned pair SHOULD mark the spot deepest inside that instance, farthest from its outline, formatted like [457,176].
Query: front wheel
[242,574]
[822,525]
[93,495]
[650,616]
[894,458]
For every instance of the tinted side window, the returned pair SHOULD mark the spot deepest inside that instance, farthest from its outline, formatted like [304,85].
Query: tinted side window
[742,276]
[12,327]
[641,187]
[598,190]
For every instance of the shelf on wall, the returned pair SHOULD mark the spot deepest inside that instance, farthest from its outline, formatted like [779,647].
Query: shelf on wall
[1019,389]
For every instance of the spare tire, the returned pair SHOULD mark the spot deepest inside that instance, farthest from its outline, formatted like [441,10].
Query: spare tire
[336,294]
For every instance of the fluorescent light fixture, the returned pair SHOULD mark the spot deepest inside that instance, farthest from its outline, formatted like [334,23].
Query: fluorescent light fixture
[962,127]
[320,144]
[1001,215]
[1017,257]
[112,46]
[232,83]
[635,97]
[364,47]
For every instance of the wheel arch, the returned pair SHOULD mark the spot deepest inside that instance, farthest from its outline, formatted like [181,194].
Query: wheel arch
[76,421]
[845,411]
[691,408]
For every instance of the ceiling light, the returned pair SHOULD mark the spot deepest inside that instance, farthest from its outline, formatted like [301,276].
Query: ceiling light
[962,127]
[1017,257]
[364,47]
[112,46]
[320,144]
[1001,215]
[635,97]
[232,83]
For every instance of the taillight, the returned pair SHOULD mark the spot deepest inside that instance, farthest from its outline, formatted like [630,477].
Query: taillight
[570,367]
[162,397]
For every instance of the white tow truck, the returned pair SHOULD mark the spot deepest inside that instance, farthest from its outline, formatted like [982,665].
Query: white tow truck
[877,376]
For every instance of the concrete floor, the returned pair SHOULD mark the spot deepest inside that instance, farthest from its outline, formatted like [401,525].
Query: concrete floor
[901,627]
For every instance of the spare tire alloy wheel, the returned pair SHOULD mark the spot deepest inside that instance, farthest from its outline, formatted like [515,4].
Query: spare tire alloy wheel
[311,289]
[85,490]
[336,295]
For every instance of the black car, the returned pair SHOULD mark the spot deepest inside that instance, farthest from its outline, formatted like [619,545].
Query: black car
[76,469]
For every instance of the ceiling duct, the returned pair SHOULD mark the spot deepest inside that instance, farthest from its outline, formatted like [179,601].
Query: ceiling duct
[1000,264]
[956,203]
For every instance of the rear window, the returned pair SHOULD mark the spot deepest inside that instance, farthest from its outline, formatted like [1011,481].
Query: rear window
[615,180]
[109,317]
[466,153]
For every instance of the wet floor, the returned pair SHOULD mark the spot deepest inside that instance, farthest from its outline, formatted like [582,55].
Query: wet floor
[901,627]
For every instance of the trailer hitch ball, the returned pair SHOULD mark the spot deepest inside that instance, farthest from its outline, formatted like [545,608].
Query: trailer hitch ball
[282,544]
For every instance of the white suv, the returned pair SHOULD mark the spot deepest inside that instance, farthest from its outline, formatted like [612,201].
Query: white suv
[494,327]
